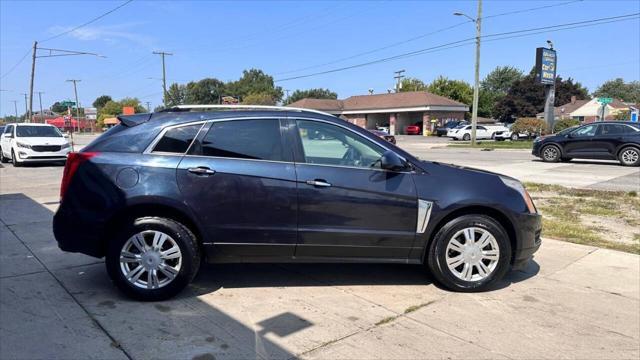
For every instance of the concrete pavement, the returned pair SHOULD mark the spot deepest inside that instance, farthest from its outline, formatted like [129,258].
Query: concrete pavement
[573,301]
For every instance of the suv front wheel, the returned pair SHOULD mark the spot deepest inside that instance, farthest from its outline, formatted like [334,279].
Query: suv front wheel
[470,253]
[153,259]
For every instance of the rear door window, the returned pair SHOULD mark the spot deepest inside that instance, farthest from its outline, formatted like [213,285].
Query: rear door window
[177,140]
[255,139]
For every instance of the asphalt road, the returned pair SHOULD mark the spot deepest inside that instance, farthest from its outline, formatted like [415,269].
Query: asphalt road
[520,164]
[573,301]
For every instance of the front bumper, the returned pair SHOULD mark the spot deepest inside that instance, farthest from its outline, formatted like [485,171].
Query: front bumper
[528,234]
[535,151]
[29,155]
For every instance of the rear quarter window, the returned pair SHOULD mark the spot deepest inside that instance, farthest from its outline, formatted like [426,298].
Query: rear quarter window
[177,140]
[121,138]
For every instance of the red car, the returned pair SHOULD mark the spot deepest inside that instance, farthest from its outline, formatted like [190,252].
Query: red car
[415,129]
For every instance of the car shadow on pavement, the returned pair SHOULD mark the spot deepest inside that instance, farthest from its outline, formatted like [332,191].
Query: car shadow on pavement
[585,162]
[230,311]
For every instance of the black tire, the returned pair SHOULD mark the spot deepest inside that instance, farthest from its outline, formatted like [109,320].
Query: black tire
[436,259]
[15,162]
[629,156]
[466,137]
[514,137]
[3,159]
[550,153]
[181,235]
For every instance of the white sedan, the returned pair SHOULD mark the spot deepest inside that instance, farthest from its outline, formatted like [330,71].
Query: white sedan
[482,132]
[22,143]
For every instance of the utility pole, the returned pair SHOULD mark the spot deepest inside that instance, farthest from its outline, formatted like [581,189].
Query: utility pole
[287,91]
[25,106]
[75,90]
[33,73]
[40,99]
[164,76]
[148,106]
[398,78]
[476,86]
[15,107]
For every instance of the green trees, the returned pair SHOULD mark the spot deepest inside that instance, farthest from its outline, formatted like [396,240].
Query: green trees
[620,90]
[412,84]
[318,93]
[254,84]
[525,98]
[457,90]
[114,108]
[101,101]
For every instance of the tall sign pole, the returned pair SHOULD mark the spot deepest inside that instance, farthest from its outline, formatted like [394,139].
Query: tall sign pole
[546,61]
[33,73]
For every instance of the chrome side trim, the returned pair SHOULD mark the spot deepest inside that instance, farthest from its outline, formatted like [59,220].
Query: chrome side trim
[424,213]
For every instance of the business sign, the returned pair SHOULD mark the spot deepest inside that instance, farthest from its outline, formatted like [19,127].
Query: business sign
[90,113]
[128,110]
[546,66]
[68,103]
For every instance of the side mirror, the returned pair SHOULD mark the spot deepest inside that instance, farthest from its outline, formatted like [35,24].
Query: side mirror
[392,162]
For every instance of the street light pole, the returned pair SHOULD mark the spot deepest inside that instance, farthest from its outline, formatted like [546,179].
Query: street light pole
[476,86]
[33,73]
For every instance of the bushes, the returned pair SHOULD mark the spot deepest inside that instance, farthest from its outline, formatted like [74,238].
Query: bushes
[530,126]
[565,124]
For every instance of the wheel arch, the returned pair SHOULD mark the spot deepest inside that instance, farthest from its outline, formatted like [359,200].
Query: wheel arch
[146,209]
[493,213]
[626,145]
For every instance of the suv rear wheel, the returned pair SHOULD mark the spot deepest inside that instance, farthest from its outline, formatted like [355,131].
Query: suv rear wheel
[153,259]
[470,253]
[629,156]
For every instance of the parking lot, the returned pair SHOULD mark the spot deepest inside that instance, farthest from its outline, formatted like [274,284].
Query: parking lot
[572,301]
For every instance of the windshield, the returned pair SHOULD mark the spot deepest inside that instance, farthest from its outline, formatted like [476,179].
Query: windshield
[37,131]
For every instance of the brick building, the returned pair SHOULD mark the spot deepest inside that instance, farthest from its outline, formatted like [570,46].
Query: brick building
[395,110]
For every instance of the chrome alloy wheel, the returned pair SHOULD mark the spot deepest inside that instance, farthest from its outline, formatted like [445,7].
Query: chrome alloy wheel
[472,254]
[150,259]
[550,153]
[629,156]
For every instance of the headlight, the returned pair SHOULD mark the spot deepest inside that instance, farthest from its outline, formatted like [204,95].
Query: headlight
[65,145]
[517,185]
[26,146]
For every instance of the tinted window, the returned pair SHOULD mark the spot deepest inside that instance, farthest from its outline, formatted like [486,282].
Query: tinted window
[618,129]
[177,140]
[244,139]
[481,128]
[37,131]
[328,144]
[9,129]
[585,131]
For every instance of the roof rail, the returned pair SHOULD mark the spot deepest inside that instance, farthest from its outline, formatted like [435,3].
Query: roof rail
[258,107]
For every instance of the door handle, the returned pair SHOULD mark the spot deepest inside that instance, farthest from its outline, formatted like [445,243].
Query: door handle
[201,170]
[318,183]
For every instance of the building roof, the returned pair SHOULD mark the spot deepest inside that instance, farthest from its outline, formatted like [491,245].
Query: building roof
[567,108]
[410,99]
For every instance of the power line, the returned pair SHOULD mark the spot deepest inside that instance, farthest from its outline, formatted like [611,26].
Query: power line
[434,32]
[468,41]
[88,22]
[18,63]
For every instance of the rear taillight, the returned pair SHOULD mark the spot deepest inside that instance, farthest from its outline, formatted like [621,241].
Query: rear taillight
[74,159]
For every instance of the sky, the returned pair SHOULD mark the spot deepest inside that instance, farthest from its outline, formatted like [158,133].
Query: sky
[220,39]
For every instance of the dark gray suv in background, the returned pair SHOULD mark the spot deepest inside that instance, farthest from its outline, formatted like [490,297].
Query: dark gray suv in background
[160,192]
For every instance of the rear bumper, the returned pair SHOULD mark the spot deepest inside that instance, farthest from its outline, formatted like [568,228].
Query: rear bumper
[528,231]
[75,234]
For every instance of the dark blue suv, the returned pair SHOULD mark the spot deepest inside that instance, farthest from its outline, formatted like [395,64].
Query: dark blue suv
[160,192]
